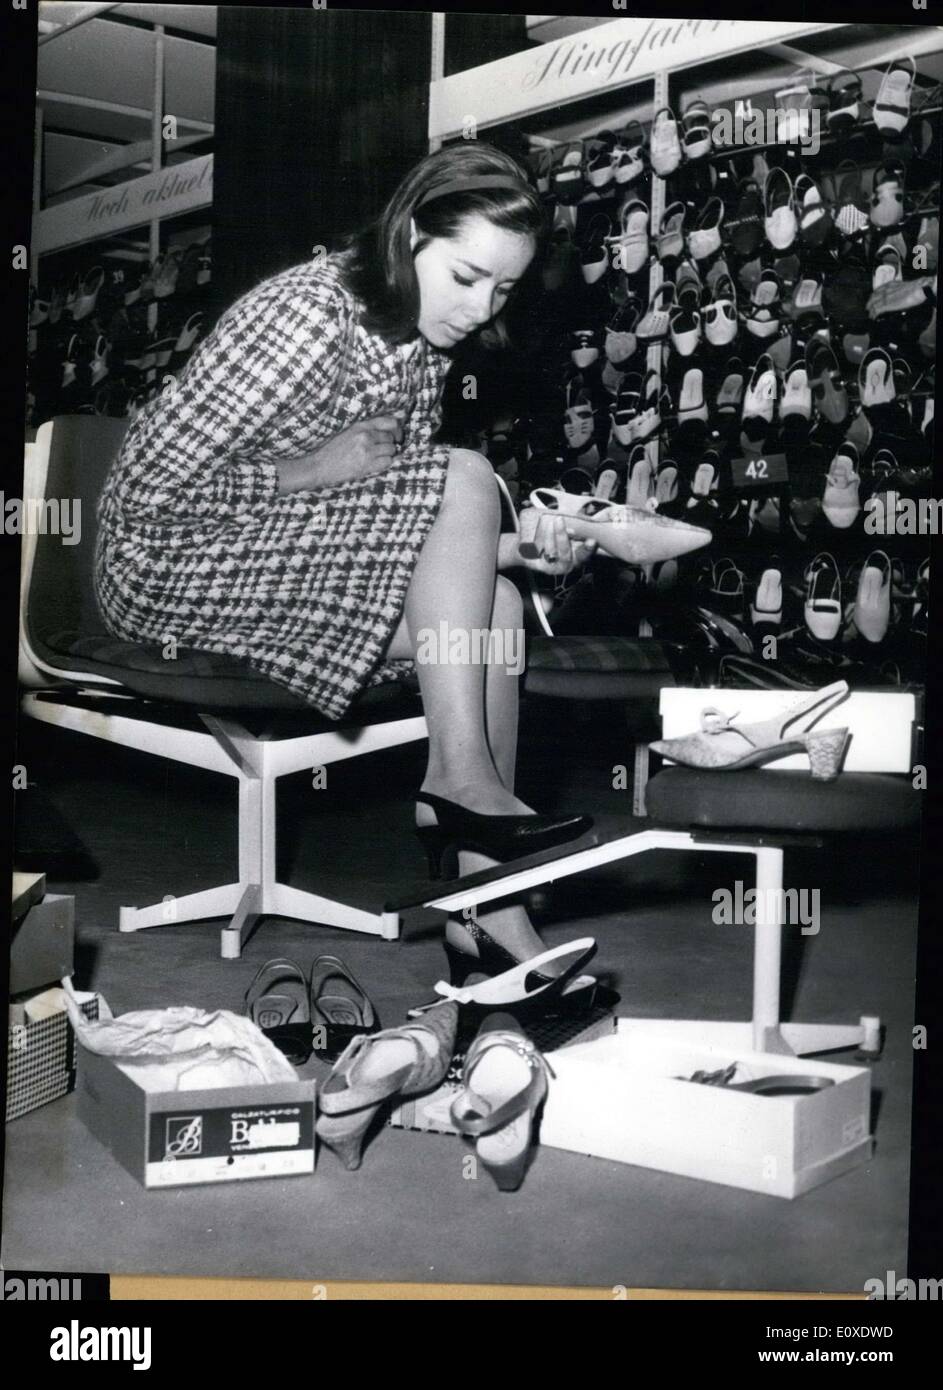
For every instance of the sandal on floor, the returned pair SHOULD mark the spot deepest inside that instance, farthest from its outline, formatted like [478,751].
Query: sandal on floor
[627,533]
[504,1083]
[340,1008]
[277,1003]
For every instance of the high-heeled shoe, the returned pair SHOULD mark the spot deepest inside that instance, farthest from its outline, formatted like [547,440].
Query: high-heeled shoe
[493,960]
[496,837]
[629,534]
[363,1078]
[504,1084]
[723,745]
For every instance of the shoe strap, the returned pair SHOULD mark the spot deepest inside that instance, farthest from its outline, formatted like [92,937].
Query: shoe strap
[471,1113]
[716,721]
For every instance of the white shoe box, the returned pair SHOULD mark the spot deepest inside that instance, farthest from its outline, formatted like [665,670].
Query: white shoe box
[881,722]
[620,1098]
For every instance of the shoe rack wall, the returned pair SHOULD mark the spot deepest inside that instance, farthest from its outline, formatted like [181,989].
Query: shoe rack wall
[786,499]
[111,319]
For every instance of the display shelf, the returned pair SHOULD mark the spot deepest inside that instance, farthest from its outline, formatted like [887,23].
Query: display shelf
[562,118]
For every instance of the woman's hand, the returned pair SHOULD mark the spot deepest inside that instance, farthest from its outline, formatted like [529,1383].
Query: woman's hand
[558,550]
[366,448]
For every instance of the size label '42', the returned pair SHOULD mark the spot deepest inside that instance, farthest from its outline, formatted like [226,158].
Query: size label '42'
[759,470]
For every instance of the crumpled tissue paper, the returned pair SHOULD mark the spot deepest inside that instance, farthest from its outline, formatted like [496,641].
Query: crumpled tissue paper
[182,1049]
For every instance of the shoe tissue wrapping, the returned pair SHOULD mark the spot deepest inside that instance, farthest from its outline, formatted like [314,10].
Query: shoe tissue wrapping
[183,1049]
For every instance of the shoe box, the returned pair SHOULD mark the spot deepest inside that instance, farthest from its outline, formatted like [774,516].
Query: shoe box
[630,1098]
[43,944]
[181,1138]
[549,1034]
[41,1052]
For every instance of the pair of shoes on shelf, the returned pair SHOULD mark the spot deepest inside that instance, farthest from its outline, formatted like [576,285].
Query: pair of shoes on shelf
[720,744]
[325,1012]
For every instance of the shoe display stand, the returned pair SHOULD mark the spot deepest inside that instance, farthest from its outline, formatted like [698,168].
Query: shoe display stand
[114,316]
[794,441]
[106,339]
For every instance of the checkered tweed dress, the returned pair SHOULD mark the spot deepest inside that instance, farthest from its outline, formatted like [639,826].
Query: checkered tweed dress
[195,543]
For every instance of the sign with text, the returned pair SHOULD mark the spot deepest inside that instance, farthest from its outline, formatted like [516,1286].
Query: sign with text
[759,470]
[165,193]
[592,61]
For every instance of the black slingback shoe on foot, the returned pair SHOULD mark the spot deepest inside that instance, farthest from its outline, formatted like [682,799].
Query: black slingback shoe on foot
[496,837]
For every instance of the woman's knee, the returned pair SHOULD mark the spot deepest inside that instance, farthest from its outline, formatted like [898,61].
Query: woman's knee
[508,611]
[470,483]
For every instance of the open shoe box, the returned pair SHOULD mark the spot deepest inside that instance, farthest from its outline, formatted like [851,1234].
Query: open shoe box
[618,1098]
[177,1138]
[881,722]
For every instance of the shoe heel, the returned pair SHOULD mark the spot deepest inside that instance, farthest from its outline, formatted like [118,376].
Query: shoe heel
[440,853]
[826,753]
[507,1176]
[345,1134]
[461,964]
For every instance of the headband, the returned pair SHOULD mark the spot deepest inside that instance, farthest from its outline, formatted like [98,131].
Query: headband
[464,185]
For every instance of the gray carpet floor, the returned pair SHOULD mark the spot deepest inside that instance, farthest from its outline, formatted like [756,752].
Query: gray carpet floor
[116,827]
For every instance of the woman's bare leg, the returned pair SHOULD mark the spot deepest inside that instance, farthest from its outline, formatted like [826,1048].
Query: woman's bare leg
[471,710]
[453,591]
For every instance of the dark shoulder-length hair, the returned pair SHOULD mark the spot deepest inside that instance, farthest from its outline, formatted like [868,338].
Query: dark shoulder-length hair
[378,263]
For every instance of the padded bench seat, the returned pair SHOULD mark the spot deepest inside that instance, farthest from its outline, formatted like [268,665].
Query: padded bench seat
[785,801]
